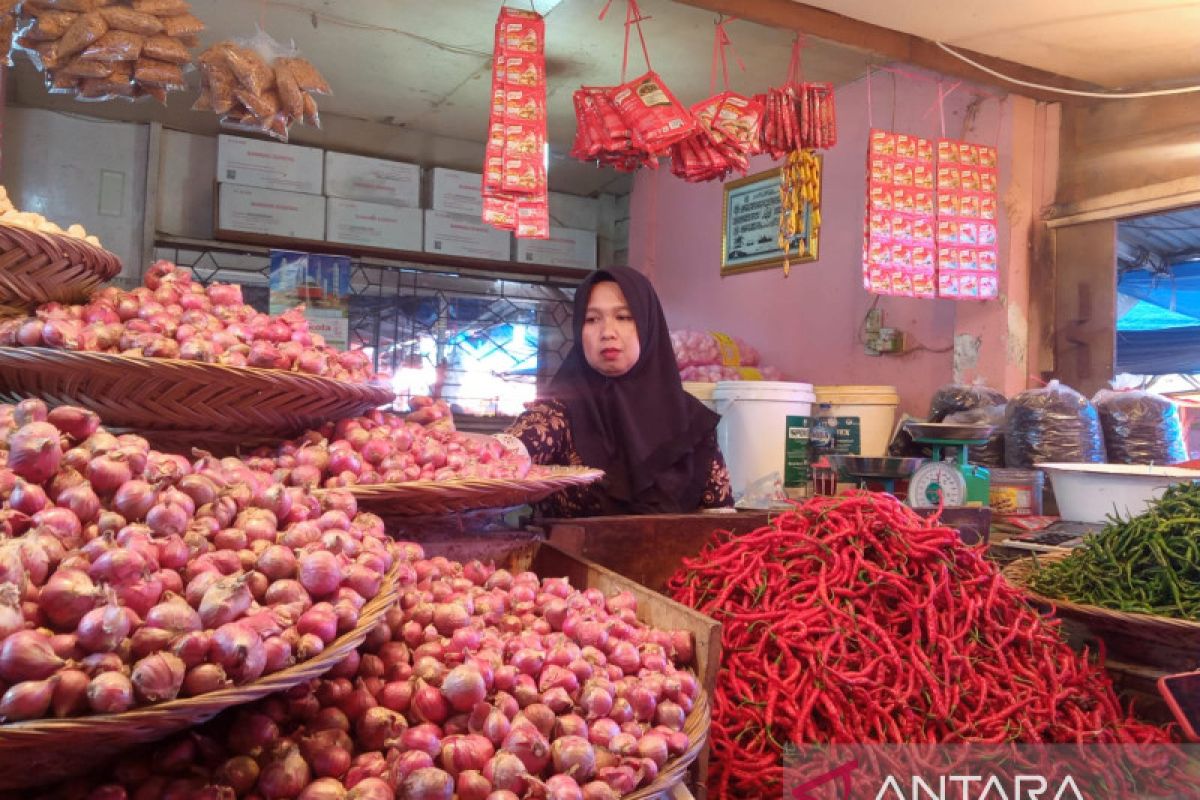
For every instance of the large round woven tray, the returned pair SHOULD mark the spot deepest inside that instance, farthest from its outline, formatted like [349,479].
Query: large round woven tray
[40,267]
[1121,630]
[417,498]
[673,772]
[170,394]
[41,752]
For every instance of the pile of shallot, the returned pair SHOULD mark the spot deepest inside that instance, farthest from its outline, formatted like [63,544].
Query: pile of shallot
[383,447]
[130,577]
[173,316]
[479,685]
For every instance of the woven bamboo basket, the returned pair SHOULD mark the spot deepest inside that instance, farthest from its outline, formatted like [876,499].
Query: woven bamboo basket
[675,771]
[417,498]
[1142,638]
[41,752]
[171,394]
[39,267]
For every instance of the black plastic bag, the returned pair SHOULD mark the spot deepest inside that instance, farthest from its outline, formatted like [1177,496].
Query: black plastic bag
[956,397]
[992,453]
[1053,423]
[1140,428]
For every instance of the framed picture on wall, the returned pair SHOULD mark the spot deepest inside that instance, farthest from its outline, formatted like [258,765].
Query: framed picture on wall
[750,226]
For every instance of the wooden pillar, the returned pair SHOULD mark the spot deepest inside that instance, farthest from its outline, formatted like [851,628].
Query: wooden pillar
[1085,304]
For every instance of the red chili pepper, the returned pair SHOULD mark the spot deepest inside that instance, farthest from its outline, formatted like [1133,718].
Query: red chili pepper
[852,619]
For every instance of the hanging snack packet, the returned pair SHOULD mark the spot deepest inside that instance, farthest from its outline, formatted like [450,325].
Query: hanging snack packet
[649,108]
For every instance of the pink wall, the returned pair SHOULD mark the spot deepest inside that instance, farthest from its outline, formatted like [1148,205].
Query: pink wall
[808,324]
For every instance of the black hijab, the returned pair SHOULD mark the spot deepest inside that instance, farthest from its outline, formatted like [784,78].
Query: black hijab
[653,439]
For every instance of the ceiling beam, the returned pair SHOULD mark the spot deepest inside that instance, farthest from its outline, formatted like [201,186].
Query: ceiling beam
[891,45]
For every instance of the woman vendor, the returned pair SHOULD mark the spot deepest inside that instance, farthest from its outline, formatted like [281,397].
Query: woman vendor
[617,404]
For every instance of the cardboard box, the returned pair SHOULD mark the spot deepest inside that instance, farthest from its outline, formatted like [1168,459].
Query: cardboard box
[373,224]
[468,237]
[250,209]
[456,192]
[566,247]
[372,179]
[269,165]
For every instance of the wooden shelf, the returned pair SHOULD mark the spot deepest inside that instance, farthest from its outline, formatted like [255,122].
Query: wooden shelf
[234,239]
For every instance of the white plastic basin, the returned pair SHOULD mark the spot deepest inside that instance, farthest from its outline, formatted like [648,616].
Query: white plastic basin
[1093,492]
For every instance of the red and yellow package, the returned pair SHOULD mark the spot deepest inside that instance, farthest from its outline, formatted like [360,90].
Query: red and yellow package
[903,200]
[988,182]
[947,284]
[947,232]
[533,219]
[948,178]
[902,173]
[881,198]
[923,284]
[923,175]
[521,31]
[650,109]
[988,233]
[947,259]
[923,202]
[500,212]
[902,283]
[968,206]
[906,146]
[881,169]
[989,287]
[968,180]
[522,70]
[947,152]
[968,285]
[923,258]
[523,175]
[947,204]
[523,139]
[922,229]
[988,260]
[987,207]
[902,256]
[968,154]
[524,105]
[968,258]
[968,233]
[880,225]
[902,228]
[883,143]
[987,157]
[925,151]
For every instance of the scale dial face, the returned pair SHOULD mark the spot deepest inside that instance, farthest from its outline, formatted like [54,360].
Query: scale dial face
[934,479]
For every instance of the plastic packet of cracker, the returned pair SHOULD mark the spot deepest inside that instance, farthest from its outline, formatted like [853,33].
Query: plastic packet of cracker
[259,84]
[649,108]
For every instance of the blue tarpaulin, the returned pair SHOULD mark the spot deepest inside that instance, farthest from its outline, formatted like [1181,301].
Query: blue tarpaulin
[1161,334]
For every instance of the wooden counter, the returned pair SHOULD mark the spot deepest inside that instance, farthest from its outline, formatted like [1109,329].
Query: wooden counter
[645,549]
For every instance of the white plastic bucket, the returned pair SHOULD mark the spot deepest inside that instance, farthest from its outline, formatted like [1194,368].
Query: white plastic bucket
[875,408]
[752,433]
[702,391]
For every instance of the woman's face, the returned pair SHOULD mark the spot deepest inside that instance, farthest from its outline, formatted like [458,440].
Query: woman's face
[610,336]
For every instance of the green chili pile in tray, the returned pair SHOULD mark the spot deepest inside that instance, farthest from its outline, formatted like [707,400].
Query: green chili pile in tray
[1148,564]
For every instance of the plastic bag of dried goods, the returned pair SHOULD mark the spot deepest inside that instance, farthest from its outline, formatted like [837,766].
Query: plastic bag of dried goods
[992,453]
[1052,423]
[955,397]
[1140,427]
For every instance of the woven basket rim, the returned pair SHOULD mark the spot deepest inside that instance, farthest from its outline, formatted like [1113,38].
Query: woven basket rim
[1018,572]
[425,498]
[52,353]
[560,478]
[187,711]
[673,772]
[58,239]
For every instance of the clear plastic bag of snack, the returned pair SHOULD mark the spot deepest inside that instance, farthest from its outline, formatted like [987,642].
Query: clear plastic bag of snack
[48,26]
[1140,427]
[182,25]
[166,48]
[149,72]
[115,46]
[1052,423]
[648,107]
[259,84]
[123,18]
[86,29]
[162,8]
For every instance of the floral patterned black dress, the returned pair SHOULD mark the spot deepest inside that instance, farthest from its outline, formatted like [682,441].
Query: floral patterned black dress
[544,431]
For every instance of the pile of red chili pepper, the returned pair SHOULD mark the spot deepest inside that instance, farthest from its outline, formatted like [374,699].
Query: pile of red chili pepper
[853,620]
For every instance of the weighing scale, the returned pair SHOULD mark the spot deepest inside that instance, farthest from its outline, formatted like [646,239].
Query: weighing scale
[951,483]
